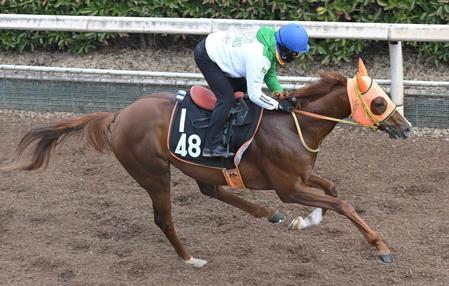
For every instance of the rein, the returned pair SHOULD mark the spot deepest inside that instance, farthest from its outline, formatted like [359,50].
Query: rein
[298,128]
[319,116]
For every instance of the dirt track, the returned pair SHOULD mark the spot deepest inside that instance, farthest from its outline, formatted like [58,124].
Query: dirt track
[84,221]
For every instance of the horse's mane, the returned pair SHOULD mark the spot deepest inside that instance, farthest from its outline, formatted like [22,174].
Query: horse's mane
[327,82]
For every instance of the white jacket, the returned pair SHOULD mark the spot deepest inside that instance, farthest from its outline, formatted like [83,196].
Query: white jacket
[240,54]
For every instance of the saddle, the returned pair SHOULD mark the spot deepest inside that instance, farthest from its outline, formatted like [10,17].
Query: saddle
[205,98]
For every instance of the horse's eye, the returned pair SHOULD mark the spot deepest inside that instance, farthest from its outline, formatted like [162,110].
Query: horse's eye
[378,105]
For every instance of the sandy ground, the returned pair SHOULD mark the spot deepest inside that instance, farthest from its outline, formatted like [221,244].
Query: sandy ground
[84,221]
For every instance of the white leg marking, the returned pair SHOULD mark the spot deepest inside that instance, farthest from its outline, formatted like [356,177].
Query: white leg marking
[196,262]
[314,218]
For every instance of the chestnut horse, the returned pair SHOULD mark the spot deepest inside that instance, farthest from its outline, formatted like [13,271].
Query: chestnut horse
[276,159]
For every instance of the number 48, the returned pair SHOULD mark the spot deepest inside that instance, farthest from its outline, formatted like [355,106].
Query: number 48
[193,143]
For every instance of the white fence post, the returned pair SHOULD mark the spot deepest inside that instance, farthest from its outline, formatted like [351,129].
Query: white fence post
[397,79]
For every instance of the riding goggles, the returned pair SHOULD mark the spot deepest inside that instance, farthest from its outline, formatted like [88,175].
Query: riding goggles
[287,55]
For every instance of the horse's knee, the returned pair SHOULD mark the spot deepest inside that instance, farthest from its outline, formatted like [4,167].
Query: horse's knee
[343,208]
[332,190]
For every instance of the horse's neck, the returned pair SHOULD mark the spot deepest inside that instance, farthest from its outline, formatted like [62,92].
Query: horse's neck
[335,104]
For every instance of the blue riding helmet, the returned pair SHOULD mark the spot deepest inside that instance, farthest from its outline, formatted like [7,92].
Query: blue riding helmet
[291,40]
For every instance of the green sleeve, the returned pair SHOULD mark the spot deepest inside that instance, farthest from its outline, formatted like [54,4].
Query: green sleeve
[272,81]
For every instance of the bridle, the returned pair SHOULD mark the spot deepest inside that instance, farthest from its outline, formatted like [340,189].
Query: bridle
[359,99]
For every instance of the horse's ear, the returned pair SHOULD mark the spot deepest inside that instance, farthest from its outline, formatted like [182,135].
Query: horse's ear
[362,69]
[363,87]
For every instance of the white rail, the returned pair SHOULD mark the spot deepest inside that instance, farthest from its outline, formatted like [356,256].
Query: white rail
[150,77]
[203,26]
[393,33]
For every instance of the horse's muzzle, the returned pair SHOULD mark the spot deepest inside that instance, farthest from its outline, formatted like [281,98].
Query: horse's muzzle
[396,133]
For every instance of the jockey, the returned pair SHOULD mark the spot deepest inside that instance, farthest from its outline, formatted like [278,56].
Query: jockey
[243,61]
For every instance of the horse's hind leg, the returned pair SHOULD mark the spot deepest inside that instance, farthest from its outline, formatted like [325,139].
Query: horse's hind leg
[158,187]
[273,215]
[163,219]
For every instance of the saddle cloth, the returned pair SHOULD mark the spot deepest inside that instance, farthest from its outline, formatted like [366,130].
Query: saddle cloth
[188,126]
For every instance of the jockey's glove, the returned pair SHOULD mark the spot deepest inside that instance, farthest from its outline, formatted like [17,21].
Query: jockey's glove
[287,105]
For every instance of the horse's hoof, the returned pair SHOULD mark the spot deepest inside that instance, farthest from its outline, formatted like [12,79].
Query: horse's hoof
[386,258]
[296,224]
[277,218]
[196,262]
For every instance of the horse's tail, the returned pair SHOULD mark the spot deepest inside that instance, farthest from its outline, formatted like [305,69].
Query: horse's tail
[94,127]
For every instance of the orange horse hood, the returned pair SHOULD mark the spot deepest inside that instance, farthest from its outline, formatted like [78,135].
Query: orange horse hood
[362,90]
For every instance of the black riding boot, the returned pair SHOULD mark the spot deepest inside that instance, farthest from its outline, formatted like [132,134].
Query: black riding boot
[219,151]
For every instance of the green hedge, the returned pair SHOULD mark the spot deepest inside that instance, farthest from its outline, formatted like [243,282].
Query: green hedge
[330,51]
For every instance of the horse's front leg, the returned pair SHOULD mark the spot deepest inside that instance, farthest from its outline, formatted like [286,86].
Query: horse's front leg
[315,217]
[305,195]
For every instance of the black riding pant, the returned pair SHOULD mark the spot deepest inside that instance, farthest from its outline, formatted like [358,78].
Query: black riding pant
[223,88]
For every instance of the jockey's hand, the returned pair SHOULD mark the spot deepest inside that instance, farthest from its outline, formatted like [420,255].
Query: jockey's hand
[280,95]
[287,105]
